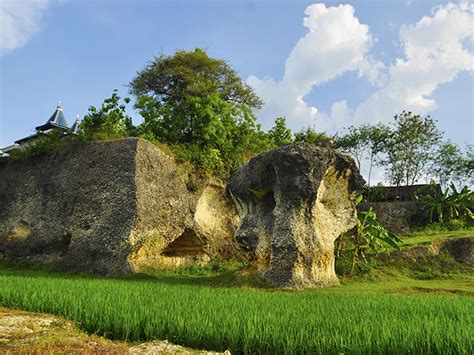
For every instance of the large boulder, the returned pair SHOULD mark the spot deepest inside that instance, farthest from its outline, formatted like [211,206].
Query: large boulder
[107,207]
[294,202]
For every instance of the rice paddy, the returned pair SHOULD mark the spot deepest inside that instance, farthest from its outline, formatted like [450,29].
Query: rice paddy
[248,320]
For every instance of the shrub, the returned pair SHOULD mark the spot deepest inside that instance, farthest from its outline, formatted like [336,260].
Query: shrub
[44,143]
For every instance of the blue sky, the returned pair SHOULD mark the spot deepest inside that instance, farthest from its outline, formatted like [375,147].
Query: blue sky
[343,65]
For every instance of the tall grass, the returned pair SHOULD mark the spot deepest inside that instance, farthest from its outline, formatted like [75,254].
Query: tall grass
[249,321]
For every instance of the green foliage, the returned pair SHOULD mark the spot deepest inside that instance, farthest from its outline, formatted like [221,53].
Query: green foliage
[223,136]
[174,79]
[468,171]
[409,148]
[452,225]
[449,163]
[346,320]
[374,236]
[43,143]
[434,232]
[201,108]
[280,134]
[355,142]
[109,121]
[368,239]
[364,142]
[374,193]
[371,237]
[214,267]
[310,136]
[444,206]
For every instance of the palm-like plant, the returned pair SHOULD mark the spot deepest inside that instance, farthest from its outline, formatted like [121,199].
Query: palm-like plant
[371,236]
[447,205]
[461,203]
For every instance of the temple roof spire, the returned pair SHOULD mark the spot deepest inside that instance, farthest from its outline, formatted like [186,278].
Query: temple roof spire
[75,126]
[57,120]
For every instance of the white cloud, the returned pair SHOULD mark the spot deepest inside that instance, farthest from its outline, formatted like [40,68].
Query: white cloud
[340,114]
[19,21]
[336,42]
[435,53]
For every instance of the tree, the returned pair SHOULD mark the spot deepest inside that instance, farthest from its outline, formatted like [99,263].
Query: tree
[355,143]
[199,106]
[109,121]
[364,143]
[310,136]
[409,148]
[468,169]
[448,164]
[179,83]
[280,134]
[377,136]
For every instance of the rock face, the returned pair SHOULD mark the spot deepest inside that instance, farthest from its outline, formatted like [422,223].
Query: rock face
[294,202]
[396,216]
[106,207]
[460,249]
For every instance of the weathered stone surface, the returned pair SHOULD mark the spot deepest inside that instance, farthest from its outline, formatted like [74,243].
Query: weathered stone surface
[293,203]
[78,202]
[216,216]
[116,206]
[460,248]
[396,216]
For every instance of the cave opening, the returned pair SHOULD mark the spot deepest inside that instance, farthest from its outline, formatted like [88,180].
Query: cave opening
[187,244]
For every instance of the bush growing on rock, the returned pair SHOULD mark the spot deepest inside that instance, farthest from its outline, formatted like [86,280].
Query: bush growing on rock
[201,107]
[110,121]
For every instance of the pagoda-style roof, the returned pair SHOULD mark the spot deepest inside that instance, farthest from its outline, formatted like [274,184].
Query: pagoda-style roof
[57,120]
[75,127]
[26,139]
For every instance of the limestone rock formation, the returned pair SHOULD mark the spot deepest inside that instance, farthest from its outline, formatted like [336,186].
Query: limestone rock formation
[115,206]
[293,203]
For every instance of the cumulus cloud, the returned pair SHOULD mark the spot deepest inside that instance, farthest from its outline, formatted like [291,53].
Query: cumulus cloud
[435,50]
[19,21]
[435,53]
[336,42]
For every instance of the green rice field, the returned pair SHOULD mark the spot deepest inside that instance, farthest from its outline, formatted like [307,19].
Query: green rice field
[344,319]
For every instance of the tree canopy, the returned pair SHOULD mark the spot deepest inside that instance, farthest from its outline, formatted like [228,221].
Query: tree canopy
[364,142]
[201,104]
[200,108]
[173,79]
[410,147]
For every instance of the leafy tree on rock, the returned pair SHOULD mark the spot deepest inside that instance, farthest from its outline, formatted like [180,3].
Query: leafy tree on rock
[280,134]
[179,83]
[108,121]
[200,104]
[310,136]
